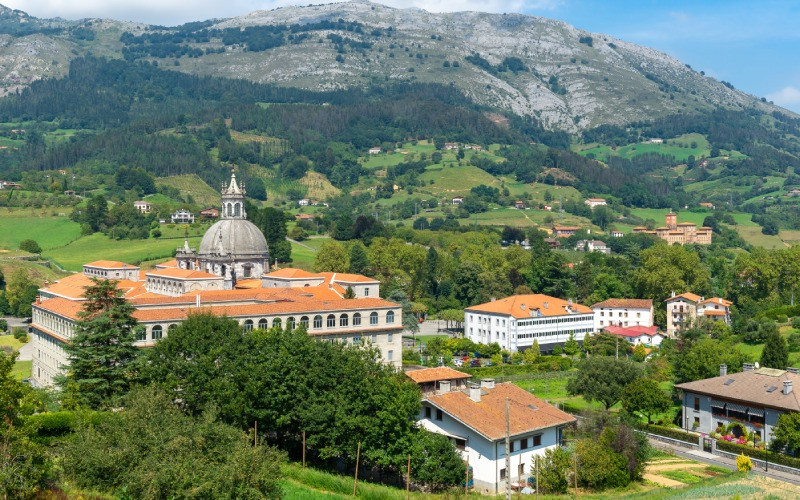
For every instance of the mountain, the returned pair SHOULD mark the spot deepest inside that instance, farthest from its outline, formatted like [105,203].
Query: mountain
[565,78]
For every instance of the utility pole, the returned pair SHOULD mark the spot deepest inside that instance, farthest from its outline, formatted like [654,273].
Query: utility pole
[537,476]
[355,478]
[304,450]
[408,478]
[508,455]
[617,355]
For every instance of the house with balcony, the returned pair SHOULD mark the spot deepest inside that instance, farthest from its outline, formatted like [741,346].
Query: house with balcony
[623,312]
[474,420]
[438,379]
[755,398]
[686,308]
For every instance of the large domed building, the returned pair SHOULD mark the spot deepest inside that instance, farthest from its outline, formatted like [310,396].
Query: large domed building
[233,248]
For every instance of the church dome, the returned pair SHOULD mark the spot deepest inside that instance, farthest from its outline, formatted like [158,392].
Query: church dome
[233,237]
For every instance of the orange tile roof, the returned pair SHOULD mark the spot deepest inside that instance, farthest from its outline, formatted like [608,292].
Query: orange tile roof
[566,228]
[520,306]
[63,307]
[687,295]
[109,264]
[347,278]
[713,312]
[291,272]
[169,263]
[178,273]
[73,286]
[248,284]
[686,224]
[629,303]
[487,417]
[435,374]
[718,301]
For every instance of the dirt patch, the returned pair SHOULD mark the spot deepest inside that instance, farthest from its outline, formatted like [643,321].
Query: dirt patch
[662,481]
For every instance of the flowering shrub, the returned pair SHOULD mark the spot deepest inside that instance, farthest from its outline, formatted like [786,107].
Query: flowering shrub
[743,463]
[742,440]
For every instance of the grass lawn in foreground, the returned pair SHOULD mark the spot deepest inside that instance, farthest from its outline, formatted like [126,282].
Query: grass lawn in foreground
[48,231]
[10,341]
[22,369]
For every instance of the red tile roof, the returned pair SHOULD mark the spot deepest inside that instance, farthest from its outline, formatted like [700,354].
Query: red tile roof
[435,374]
[718,301]
[520,306]
[631,331]
[688,296]
[291,272]
[527,413]
[183,274]
[110,264]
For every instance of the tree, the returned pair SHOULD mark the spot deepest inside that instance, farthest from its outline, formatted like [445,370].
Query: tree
[359,262]
[603,379]
[702,359]
[349,293]
[256,189]
[332,257]
[21,292]
[532,353]
[554,469]
[102,353]
[639,353]
[272,223]
[776,352]
[153,450]
[434,461]
[571,346]
[30,246]
[786,435]
[410,321]
[644,396]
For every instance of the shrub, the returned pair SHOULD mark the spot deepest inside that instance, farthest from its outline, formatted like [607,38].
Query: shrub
[743,463]
[3,326]
[678,434]
[796,322]
[759,452]
[553,470]
[30,246]
[782,319]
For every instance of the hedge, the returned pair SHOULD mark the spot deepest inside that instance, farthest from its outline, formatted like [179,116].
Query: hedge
[776,458]
[546,364]
[59,423]
[789,311]
[670,432]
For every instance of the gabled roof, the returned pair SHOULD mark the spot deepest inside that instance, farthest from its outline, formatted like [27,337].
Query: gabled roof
[625,304]
[751,387]
[713,312]
[527,413]
[110,264]
[435,374]
[291,273]
[687,295]
[717,301]
[521,306]
[347,278]
[631,331]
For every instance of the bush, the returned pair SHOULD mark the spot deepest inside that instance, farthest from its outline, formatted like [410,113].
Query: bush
[760,453]
[782,319]
[30,246]
[20,334]
[553,470]
[669,432]
[743,463]
[3,326]
[796,322]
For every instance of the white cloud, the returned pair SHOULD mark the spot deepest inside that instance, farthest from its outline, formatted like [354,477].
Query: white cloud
[171,12]
[788,97]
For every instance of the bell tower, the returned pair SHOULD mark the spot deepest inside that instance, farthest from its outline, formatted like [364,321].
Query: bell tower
[233,200]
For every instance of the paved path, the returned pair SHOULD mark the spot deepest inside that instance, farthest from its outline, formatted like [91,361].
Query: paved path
[724,462]
[26,352]
[301,244]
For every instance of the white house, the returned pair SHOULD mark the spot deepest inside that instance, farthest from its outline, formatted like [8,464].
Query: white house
[515,322]
[623,312]
[142,206]
[474,419]
[688,307]
[617,234]
[592,246]
[458,200]
[647,335]
[595,202]
[183,216]
[303,203]
[374,151]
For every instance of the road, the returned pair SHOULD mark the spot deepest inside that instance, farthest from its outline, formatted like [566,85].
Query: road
[728,463]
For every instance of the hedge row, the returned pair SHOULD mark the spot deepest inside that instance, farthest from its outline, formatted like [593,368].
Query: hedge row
[670,432]
[788,311]
[773,457]
[59,423]
[546,364]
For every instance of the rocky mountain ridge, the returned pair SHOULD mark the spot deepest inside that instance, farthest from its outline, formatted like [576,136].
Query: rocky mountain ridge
[566,78]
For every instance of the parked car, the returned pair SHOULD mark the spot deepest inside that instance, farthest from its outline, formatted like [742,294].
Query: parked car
[489,363]
[475,363]
[457,362]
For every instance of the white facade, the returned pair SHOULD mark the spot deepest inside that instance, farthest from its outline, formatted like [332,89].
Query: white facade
[622,316]
[516,334]
[183,217]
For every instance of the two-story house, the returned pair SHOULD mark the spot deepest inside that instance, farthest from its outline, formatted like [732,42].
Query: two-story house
[686,308]
[474,419]
[623,312]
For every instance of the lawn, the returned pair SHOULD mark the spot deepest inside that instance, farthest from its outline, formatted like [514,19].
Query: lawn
[22,369]
[194,186]
[10,341]
[302,257]
[754,236]
[680,148]
[48,231]
[98,246]
[456,180]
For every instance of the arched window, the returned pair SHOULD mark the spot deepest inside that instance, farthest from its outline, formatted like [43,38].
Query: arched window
[373,318]
[290,323]
[331,321]
[304,322]
[157,332]
[276,323]
[317,321]
[263,324]
[172,327]
[248,325]
[390,317]
[344,320]
[236,209]
[357,319]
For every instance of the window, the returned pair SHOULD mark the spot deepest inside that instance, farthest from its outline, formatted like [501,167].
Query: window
[357,319]
[331,321]
[344,320]
[157,332]
[248,325]
[373,318]
[357,340]
[390,356]
[511,446]
[537,440]
[141,336]
[366,291]
[438,414]
[696,421]
[521,470]
[276,323]
[290,323]
[461,444]
[523,444]
[427,412]
[390,317]
[172,327]
[263,324]
[503,473]
[696,404]
[374,338]
[304,321]
[391,336]
[317,321]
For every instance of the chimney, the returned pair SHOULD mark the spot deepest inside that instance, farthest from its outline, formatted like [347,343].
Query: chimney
[673,293]
[723,370]
[787,386]
[796,371]
[475,393]
[197,300]
[569,301]
[492,299]
[747,367]
[546,304]
[444,386]
[522,306]
[487,383]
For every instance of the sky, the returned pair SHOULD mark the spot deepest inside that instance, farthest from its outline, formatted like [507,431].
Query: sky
[753,45]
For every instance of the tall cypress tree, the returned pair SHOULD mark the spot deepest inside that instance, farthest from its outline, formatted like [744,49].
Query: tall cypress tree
[102,353]
[776,352]
[359,262]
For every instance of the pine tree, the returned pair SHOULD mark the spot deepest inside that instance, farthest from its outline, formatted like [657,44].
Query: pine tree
[571,346]
[775,353]
[359,262]
[102,353]
[431,271]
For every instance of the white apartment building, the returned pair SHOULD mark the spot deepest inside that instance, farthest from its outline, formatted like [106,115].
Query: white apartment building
[515,322]
[623,312]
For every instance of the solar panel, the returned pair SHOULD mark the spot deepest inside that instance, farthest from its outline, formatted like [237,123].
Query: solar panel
[728,382]
[771,389]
